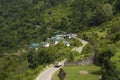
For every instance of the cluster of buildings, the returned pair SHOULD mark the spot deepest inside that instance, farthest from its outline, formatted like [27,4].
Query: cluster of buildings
[59,36]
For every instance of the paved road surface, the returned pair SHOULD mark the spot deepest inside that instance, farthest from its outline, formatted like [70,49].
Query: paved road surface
[79,49]
[47,74]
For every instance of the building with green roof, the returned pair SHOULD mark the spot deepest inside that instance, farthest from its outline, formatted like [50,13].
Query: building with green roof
[34,45]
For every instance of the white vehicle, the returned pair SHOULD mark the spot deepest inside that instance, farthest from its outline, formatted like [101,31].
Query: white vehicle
[58,64]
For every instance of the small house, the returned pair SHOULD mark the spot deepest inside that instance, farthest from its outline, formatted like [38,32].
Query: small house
[45,44]
[54,40]
[69,35]
[73,35]
[60,37]
[35,45]
[59,33]
[66,43]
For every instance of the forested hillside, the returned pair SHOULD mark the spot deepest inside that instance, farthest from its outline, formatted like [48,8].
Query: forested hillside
[25,21]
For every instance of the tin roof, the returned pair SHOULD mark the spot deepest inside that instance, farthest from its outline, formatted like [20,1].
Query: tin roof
[34,45]
[44,43]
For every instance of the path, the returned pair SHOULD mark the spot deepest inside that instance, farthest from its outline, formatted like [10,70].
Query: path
[79,49]
[47,74]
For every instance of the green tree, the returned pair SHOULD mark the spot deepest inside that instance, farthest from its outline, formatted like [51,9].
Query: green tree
[108,71]
[117,6]
[107,11]
[102,14]
[31,59]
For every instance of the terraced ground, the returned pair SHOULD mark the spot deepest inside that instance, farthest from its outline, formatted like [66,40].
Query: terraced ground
[90,72]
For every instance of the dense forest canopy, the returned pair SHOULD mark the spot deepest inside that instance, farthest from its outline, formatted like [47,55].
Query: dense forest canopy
[21,18]
[25,21]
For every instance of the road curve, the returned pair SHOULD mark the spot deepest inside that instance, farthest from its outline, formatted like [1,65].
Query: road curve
[79,49]
[47,74]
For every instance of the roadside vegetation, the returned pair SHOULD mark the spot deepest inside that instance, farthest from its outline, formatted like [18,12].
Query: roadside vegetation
[26,65]
[51,54]
[88,50]
[75,42]
[105,46]
[26,21]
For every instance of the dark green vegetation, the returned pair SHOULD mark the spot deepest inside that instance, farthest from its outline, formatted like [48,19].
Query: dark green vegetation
[48,55]
[25,21]
[104,43]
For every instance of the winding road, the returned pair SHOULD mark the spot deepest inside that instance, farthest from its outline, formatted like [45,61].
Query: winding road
[47,74]
[79,49]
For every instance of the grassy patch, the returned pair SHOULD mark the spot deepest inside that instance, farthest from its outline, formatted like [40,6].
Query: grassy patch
[33,73]
[116,59]
[75,43]
[73,73]
[88,50]
[55,76]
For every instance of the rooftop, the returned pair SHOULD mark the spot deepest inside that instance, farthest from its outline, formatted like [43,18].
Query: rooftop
[34,45]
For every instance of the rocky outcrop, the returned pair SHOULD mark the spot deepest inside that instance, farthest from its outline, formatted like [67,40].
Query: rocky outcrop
[62,74]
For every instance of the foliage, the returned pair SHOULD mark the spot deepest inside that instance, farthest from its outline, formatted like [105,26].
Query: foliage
[13,67]
[108,68]
[75,42]
[101,39]
[88,50]
[47,55]
[31,20]
[25,21]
